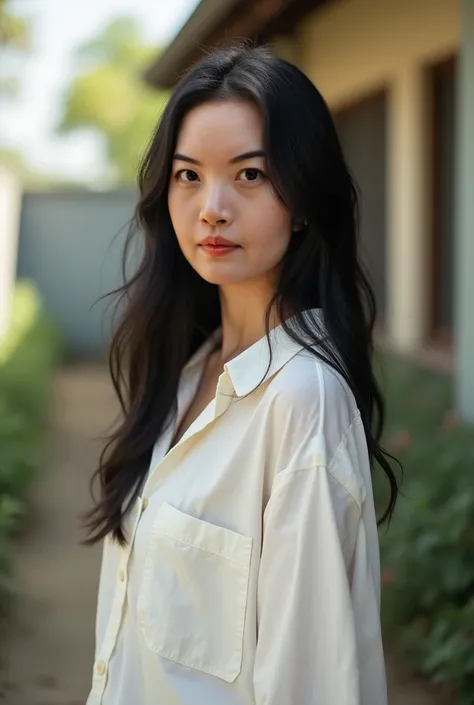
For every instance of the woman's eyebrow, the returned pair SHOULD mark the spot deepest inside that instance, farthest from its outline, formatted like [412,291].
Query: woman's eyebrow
[248,155]
[239,158]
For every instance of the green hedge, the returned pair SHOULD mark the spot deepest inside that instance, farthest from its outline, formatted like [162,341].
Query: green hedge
[29,354]
[428,550]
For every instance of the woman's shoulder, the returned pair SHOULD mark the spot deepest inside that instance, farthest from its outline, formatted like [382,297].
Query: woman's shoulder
[311,386]
[313,420]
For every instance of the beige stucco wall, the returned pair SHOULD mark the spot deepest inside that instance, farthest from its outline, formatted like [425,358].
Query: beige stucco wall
[352,47]
[286,47]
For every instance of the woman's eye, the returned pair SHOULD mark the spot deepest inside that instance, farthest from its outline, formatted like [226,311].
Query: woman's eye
[250,175]
[186,175]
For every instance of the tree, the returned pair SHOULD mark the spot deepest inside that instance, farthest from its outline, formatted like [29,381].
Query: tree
[110,96]
[14,34]
[13,29]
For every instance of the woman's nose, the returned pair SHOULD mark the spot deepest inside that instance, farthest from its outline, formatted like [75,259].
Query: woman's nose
[214,210]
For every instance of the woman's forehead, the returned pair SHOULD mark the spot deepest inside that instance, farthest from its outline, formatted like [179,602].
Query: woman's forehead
[233,126]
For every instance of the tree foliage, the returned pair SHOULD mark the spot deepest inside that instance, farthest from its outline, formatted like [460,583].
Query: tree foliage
[13,29]
[109,96]
[14,35]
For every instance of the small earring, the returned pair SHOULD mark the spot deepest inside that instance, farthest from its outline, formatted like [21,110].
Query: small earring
[299,225]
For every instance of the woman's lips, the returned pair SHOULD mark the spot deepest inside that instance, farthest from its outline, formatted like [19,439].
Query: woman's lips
[219,250]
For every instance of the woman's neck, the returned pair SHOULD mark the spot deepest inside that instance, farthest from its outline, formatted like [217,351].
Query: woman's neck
[243,320]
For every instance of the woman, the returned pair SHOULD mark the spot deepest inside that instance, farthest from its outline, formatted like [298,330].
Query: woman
[240,560]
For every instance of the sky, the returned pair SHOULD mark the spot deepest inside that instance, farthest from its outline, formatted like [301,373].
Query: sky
[58,27]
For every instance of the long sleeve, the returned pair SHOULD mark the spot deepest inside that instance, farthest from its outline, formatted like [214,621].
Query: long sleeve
[319,640]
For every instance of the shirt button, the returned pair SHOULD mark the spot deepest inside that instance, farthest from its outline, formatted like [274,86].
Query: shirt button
[122,576]
[100,668]
[144,504]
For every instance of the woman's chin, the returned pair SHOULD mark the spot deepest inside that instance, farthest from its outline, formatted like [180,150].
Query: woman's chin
[220,278]
[220,272]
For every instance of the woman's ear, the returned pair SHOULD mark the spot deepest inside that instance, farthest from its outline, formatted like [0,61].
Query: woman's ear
[298,225]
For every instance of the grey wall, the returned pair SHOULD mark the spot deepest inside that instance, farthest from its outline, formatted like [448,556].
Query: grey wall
[71,245]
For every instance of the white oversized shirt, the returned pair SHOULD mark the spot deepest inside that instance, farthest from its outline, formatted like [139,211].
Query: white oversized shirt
[251,574]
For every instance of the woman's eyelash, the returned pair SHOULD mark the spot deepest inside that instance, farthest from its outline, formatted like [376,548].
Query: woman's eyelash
[179,174]
[260,173]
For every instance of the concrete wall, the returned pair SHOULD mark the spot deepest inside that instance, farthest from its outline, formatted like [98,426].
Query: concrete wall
[71,245]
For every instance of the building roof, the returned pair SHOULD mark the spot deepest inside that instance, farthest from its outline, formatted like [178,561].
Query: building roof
[214,22]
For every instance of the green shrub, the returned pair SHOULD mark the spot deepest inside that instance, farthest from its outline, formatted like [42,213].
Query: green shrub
[26,308]
[428,550]
[29,354]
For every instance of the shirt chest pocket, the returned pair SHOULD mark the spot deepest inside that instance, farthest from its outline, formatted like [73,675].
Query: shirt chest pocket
[193,595]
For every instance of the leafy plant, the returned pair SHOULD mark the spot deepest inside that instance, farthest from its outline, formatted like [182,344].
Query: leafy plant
[428,551]
[29,354]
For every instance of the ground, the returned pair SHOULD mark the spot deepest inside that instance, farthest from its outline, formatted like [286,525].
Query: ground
[48,645]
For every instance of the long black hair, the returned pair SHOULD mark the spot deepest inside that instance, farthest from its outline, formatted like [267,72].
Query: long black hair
[169,310]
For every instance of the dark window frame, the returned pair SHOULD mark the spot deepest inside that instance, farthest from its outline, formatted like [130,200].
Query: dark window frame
[439,335]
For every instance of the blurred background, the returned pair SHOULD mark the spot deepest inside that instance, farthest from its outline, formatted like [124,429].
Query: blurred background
[82,85]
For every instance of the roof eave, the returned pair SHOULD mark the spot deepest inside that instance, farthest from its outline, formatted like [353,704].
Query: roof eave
[215,22]
[206,17]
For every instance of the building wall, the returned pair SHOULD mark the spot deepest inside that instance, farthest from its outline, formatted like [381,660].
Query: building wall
[354,48]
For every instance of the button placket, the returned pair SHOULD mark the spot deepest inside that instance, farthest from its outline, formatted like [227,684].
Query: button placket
[113,627]
[116,613]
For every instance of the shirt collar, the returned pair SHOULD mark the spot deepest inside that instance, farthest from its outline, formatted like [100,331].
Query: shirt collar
[248,369]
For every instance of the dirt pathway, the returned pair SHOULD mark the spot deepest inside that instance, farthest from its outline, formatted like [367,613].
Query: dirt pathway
[48,655]
[48,650]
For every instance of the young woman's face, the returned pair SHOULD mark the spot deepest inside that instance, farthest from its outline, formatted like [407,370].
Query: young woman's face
[218,187]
